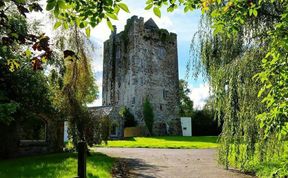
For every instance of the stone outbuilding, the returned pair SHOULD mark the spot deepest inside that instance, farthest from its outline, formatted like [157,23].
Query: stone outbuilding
[31,137]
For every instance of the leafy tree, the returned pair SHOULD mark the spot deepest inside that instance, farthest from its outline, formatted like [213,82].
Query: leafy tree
[236,37]
[17,38]
[265,22]
[239,36]
[148,115]
[85,14]
[204,124]
[24,95]
[24,90]
[186,104]
[230,62]
[128,117]
[15,24]
[78,82]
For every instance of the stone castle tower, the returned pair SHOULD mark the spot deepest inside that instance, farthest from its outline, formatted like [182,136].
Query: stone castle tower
[141,62]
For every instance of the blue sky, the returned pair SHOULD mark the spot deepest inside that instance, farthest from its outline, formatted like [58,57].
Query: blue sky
[185,25]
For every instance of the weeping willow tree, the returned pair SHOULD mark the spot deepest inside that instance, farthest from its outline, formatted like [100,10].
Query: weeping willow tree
[230,62]
[79,87]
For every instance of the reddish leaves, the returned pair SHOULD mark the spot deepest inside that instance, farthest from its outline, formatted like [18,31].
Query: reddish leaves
[41,44]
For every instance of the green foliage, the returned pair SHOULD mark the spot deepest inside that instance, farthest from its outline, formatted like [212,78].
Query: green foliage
[157,11]
[124,7]
[24,92]
[276,166]
[25,95]
[69,146]
[6,112]
[85,14]
[186,104]
[56,165]
[234,37]
[175,142]
[105,130]
[148,115]
[16,37]
[77,82]
[230,57]
[274,79]
[128,117]
[98,130]
[204,124]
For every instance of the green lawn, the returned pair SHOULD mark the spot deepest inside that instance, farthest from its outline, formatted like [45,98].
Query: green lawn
[166,142]
[55,166]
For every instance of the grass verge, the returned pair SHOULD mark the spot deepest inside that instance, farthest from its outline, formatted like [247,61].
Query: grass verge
[166,142]
[60,165]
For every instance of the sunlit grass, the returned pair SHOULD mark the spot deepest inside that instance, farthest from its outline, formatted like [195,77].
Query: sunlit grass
[166,142]
[62,165]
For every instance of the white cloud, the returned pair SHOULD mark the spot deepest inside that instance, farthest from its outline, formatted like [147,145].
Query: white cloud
[199,95]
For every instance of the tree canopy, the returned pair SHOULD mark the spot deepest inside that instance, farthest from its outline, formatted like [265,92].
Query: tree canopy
[242,50]
[186,104]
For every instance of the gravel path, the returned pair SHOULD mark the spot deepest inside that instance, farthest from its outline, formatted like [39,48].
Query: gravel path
[171,163]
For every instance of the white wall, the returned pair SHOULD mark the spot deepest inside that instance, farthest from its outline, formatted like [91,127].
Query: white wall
[65,131]
[186,125]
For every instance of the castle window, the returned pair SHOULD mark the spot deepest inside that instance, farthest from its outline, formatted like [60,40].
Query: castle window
[118,53]
[114,130]
[135,81]
[118,96]
[133,100]
[165,94]
[161,53]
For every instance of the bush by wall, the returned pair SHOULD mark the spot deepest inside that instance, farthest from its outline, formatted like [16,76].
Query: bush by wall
[204,124]
[148,115]
[128,117]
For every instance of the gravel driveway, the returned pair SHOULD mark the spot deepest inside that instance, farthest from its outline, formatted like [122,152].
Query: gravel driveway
[171,163]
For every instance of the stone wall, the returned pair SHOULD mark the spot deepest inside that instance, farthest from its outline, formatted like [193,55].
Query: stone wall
[141,62]
[12,145]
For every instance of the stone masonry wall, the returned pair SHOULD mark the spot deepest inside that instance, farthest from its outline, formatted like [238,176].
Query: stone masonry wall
[142,62]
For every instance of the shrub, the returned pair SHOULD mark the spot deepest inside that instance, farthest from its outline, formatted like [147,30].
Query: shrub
[148,116]
[204,124]
[69,146]
[128,117]
[98,130]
